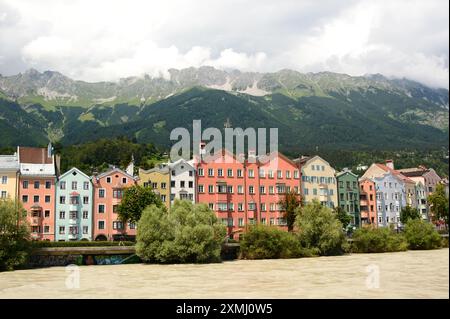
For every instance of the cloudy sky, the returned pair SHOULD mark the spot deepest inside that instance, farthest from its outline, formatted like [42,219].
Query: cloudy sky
[96,40]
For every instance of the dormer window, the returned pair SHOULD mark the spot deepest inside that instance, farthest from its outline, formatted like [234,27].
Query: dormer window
[108,180]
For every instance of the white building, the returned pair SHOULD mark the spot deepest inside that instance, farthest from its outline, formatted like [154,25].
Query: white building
[182,180]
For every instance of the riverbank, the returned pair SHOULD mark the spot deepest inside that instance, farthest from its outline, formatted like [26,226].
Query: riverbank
[409,274]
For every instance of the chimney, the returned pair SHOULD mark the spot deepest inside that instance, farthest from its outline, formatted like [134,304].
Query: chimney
[390,163]
[49,150]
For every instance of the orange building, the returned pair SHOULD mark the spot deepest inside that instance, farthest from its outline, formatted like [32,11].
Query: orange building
[38,171]
[368,202]
[108,192]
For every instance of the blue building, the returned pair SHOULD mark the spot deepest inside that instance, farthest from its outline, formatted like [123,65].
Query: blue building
[391,198]
[74,202]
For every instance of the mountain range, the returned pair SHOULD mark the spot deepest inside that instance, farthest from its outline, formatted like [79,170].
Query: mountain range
[327,110]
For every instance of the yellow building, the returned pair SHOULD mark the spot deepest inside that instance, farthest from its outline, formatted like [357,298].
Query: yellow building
[318,181]
[9,170]
[158,179]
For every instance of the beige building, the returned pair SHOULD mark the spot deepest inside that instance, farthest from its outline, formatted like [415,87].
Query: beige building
[318,181]
[9,172]
[158,179]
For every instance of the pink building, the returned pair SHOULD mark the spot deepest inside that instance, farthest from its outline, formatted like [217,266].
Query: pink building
[246,192]
[368,202]
[108,192]
[38,170]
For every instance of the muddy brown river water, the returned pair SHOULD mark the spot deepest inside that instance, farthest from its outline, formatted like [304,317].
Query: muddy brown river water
[411,274]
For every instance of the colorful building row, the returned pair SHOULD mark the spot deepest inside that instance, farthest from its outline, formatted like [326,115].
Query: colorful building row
[241,191]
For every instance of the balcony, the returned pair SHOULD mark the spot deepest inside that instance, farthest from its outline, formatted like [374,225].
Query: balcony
[73,221]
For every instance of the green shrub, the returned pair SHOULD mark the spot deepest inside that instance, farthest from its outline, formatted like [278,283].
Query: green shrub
[186,234]
[320,229]
[81,243]
[378,240]
[14,235]
[422,235]
[267,242]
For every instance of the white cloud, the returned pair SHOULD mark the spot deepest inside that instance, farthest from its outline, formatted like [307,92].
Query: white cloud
[106,40]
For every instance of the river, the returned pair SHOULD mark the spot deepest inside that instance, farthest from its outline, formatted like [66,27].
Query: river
[411,274]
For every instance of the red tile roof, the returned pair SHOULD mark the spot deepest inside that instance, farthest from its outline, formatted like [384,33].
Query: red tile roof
[395,172]
[34,155]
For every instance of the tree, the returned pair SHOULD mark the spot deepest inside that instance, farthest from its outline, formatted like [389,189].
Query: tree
[289,203]
[422,235]
[187,234]
[439,204]
[135,199]
[343,217]
[408,213]
[14,235]
[320,229]
[378,240]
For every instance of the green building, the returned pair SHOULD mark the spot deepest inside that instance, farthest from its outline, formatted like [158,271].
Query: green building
[348,195]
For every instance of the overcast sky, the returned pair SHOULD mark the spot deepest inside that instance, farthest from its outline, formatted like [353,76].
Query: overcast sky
[96,40]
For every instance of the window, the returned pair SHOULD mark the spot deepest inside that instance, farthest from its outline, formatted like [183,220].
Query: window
[47,198]
[3,195]
[230,189]
[240,189]
[263,221]
[115,209]
[172,183]
[222,206]
[62,230]
[272,221]
[229,172]
[163,198]
[288,174]
[73,230]
[262,189]
[47,214]
[132,225]
[306,191]
[182,184]
[101,208]
[211,205]
[231,207]
[279,174]
[36,184]
[240,207]
[86,186]
[108,180]
[241,222]
[62,185]
[251,206]
[36,199]
[230,222]
[191,173]
[221,189]
[239,173]
[25,184]
[314,191]
[210,188]
[74,185]
[117,193]
[163,185]
[48,184]
[101,224]
[201,188]
[85,230]
[263,207]
[4,179]
[220,172]
[270,173]
[262,173]
[85,200]
[85,214]
[101,193]
[117,225]
[200,172]
[62,215]
[210,172]
[296,174]
[173,173]
[191,184]
[73,214]
[251,173]
[124,180]
[251,189]
[271,190]
[74,200]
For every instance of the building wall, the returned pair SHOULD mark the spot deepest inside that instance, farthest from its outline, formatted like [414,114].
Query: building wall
[368,203]
[8,184]
[319,182]
[182,181]
[348,195]
[390,199]
[115,180]
[74,181]
[159,181]
[42,220]
[421,200]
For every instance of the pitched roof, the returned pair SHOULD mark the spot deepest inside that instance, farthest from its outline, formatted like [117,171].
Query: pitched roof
[397,173]
[34,155]
[9,162]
